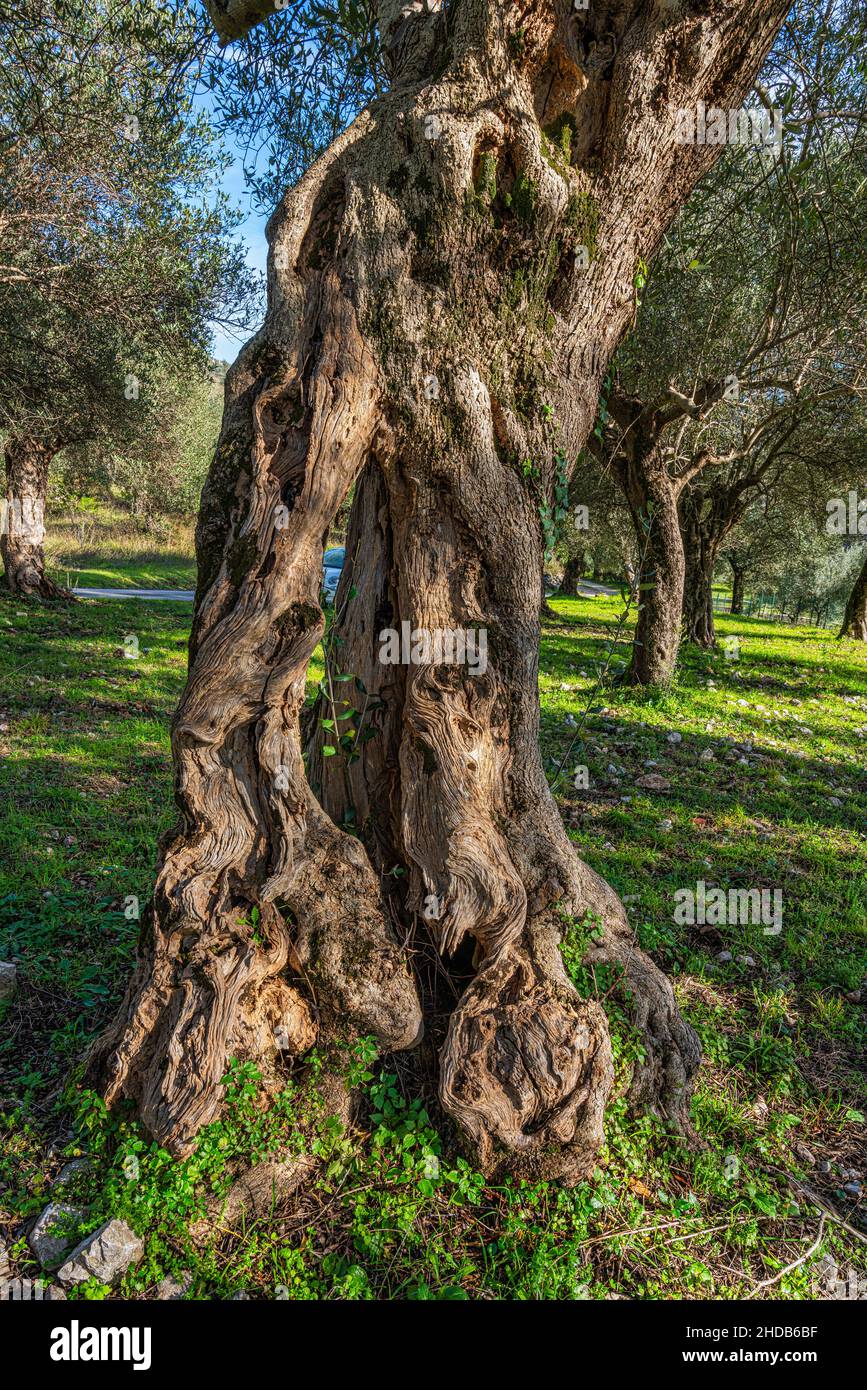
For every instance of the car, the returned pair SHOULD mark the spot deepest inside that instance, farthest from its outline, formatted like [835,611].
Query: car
[332,565]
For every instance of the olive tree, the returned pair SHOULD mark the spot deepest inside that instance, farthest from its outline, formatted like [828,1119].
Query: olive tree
[447,284]
[115,252]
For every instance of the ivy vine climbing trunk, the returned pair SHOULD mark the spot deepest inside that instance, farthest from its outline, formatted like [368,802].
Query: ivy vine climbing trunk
[447,285]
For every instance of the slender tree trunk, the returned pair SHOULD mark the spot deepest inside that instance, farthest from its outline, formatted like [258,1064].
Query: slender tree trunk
[652,499]
[22,535]
[700,549]
[698,618]
[738,588]
[855,617]
[430,329]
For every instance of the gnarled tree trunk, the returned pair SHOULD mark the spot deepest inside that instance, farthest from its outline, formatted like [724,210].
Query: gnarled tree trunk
[430,330]
[22,535]
[855,617]
[572,573]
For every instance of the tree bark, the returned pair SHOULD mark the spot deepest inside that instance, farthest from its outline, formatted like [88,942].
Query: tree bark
[738,588]
[427,322]
[22,536]
[700,546]
[652,498]
[698,617]
[855,617]
[572,574]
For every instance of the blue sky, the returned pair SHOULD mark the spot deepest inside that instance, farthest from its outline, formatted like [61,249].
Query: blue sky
[252,233]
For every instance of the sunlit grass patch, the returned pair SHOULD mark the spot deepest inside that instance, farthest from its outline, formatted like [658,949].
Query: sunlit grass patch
[86,780]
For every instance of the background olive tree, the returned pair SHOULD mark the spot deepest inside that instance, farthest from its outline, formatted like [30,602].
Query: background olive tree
[116,249]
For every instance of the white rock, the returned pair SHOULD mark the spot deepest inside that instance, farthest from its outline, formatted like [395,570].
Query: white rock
[105,1254]
[674,737]
[707,755]
[724,955]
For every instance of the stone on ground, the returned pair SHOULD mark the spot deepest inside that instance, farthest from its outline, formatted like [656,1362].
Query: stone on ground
[53,1235]
[108,1252]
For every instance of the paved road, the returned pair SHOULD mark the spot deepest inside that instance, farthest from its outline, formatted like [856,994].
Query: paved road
[179,595]
[587,590]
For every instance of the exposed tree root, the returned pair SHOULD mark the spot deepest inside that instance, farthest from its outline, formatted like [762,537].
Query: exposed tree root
[526,1071]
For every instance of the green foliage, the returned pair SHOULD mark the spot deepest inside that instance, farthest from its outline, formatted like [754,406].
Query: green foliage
[262,85]
[394,1211]
[553,513]
[344,722]
[122,253]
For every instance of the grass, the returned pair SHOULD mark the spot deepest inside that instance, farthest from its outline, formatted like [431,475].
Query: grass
[102,547]
[395,1212]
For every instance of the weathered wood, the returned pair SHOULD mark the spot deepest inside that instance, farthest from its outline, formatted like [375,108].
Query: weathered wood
[431,333]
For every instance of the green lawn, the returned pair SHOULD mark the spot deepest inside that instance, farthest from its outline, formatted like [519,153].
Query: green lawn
[86,783]
[102,547]
[156,572]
